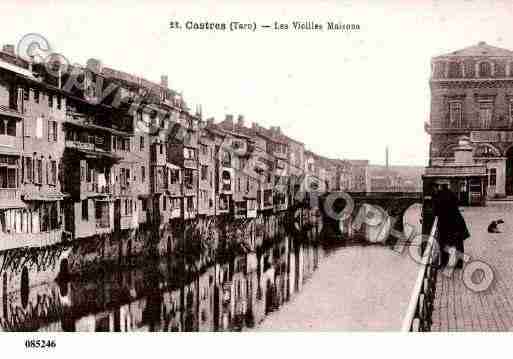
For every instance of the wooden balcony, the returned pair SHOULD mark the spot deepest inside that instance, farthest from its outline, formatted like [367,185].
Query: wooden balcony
[29,240]
[128,222]
[10,144]
[9,194]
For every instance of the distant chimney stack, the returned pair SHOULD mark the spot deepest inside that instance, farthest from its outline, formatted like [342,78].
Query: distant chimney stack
[210,121]
[8,48]
[229,119]
[164,81]
[95,65]
[240,121]
[277,129]
[254,125]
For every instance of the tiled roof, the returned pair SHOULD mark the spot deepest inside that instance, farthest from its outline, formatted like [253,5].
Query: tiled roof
[481,49]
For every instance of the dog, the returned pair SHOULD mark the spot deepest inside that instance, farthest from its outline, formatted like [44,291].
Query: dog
[493,226]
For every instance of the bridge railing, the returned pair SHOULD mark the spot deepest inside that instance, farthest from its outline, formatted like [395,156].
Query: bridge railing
[420,308]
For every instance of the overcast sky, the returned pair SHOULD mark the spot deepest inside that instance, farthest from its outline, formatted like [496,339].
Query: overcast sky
[344,94]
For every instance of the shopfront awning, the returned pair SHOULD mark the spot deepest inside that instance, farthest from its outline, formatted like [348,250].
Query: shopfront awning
[44,196]
[455,171]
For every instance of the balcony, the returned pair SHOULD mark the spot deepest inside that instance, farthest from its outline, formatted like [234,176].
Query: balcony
[90,189]
[126,222]
[10,144]
[9,195]
[29,240]
[118,189]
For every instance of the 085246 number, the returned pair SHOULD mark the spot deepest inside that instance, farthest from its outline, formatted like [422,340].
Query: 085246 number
[40,343]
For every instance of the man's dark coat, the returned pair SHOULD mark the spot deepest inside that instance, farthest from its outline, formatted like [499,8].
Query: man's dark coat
[451,225]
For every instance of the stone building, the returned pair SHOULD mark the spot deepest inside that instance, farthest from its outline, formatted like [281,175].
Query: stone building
[472,96]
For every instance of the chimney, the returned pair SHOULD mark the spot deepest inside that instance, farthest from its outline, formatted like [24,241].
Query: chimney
[210,121]
[240,121]
[229,119]
[278,130]
[95,65]
[9,48]
[254,125]
[164,82]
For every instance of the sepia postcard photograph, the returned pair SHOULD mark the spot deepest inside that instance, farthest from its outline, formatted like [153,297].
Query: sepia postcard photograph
[228,166]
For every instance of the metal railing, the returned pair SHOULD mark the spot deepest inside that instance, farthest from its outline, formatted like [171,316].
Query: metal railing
[418,317]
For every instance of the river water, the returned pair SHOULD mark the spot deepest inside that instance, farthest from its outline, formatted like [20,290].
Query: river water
[159,296]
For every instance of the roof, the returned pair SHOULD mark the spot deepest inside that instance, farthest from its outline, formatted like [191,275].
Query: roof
[44,196]
[481,49]
[90,126]
[16,69]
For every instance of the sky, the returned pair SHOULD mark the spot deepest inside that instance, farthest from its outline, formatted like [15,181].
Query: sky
[343,94]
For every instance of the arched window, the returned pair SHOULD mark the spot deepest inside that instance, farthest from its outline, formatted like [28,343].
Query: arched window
[455,70]
[485,69]
[449,151]
[485,151]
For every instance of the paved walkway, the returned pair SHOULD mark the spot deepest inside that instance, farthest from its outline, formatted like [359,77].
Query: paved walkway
[458,308]
[355,288]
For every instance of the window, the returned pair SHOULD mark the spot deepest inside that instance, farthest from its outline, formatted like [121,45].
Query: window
[454,70]
[247,185]
[189,154]
[26,93]
[174,175]
[485,114]
[7,177]
[164,203]
[50,100]
[52,131]
[141,143]
[53,173]
[204,172]
[485,69]
[85,210]
[188,178]
[28,170]
[39,127]
[36,96]
[511,113]
[493,176]
[161,148]
[455,114]
[143,174]
[59,102]
[39,171]
[190,204]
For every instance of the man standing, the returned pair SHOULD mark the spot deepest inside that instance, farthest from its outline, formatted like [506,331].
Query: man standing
[452,229]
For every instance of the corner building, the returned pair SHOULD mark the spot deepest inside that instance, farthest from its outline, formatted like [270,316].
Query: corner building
[472,98]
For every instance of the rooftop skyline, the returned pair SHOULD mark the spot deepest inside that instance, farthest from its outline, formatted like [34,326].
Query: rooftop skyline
[343,94]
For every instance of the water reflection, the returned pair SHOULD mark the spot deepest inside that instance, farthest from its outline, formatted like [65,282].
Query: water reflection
[161,296]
